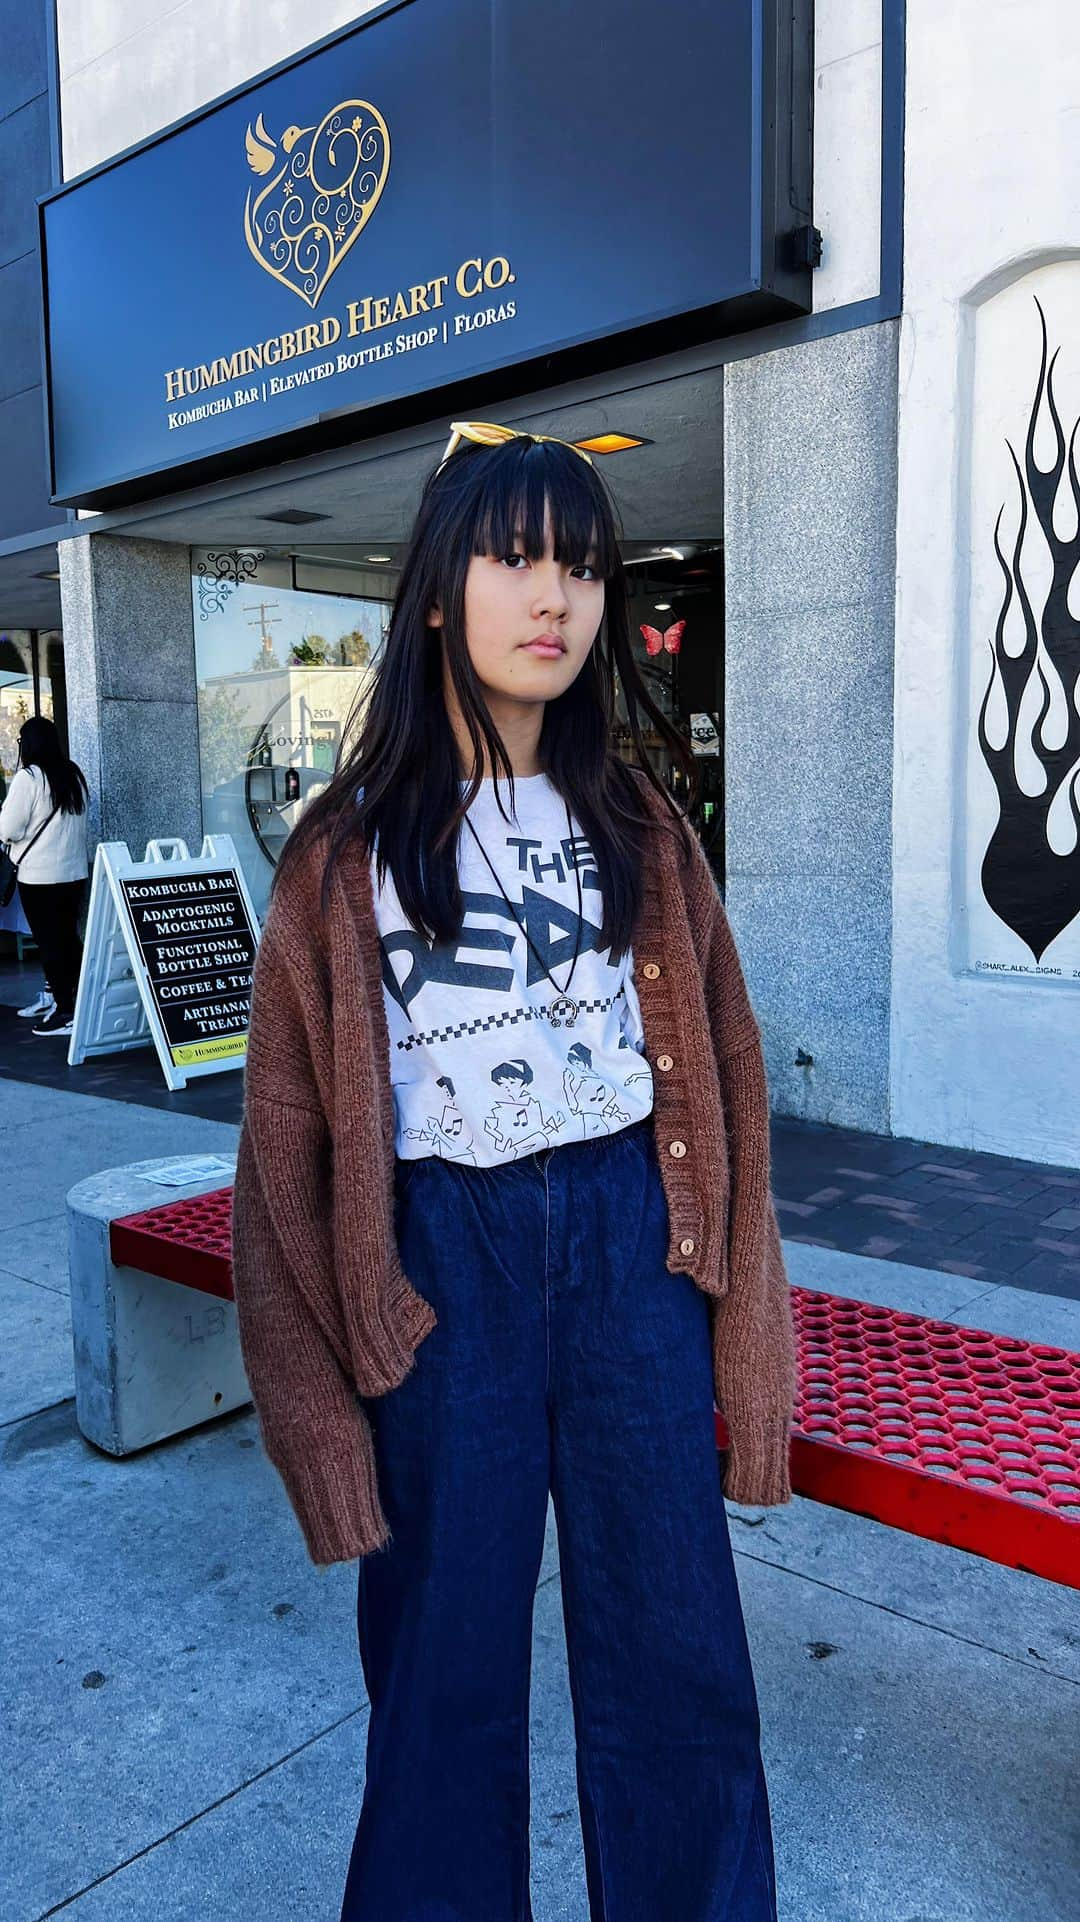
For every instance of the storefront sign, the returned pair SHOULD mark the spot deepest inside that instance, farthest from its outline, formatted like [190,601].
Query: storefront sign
[198,949]
[169,952]
[443,191]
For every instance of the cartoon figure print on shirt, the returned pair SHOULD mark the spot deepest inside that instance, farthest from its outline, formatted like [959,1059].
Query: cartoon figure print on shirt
[642,1070]
[447,1133]
[455,1009]
[517,1123]
[589,1096]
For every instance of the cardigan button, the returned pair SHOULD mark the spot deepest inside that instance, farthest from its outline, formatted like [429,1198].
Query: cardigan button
[651,971]
[686,1246]
[676,1149]
[665,1063]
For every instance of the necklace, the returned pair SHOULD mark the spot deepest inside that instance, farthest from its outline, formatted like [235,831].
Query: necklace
[564,1010]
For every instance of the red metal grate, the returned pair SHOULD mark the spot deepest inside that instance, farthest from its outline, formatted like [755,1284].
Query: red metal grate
[188,1241]
[953,1433]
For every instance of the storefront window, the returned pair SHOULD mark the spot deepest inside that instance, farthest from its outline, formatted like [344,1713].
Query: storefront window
[282,676]
[16,696]
[31,682]
[676,630]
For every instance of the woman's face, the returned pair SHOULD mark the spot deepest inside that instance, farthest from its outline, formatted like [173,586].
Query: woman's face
[529,625]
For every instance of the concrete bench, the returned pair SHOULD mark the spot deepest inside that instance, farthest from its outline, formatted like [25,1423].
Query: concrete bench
[955,1434]
[157,1349]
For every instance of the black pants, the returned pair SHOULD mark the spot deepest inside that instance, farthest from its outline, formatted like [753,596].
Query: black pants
[52,910]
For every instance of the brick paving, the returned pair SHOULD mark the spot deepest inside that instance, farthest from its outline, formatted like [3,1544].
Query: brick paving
[986,1216]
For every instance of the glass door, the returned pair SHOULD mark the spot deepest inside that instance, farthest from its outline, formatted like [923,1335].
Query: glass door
[677,630]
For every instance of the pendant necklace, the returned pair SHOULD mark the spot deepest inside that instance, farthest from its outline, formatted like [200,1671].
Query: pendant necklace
[564,1010]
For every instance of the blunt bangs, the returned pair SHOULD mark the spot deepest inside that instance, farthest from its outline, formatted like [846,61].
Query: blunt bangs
[513,483]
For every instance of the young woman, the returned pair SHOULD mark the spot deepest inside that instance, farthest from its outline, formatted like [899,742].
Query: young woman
[44,820]
[503,1226]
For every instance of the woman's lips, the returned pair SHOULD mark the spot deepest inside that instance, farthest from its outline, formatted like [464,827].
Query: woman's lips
[546,650]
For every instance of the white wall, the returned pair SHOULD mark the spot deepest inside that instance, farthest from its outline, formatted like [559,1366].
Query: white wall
[128,67]
[992,217]
[847,149]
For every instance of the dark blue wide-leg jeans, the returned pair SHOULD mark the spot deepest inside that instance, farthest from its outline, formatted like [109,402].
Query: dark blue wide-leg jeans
[566,1357]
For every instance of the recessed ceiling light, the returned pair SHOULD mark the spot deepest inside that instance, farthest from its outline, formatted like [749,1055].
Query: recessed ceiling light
[662,607]
[611,443]
[46,577]
[293,517]
[377,557]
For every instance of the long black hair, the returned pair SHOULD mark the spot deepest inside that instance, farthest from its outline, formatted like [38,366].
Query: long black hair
[40,746]
[398,785]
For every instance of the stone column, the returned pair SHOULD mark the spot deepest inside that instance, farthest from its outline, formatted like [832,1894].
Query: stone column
[810,518]
[129,655]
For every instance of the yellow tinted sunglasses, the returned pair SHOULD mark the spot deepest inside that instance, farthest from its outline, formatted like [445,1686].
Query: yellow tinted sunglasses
[491,433]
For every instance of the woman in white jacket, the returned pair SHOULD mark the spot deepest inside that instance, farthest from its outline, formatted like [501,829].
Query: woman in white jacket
[46,806]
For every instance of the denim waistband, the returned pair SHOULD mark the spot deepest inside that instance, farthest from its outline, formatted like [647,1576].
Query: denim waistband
[597,1146]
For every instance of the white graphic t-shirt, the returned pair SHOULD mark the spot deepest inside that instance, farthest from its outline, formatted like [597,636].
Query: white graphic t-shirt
[481,1073]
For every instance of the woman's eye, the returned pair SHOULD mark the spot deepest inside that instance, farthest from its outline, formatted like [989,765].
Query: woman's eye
[514,555]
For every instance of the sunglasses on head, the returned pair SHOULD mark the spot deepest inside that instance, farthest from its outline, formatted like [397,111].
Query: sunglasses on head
[491,433]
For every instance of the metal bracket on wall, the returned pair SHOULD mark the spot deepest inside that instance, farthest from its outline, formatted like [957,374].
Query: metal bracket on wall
[803,247]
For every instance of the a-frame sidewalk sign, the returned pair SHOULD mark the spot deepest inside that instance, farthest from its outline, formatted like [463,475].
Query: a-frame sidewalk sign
[169,949]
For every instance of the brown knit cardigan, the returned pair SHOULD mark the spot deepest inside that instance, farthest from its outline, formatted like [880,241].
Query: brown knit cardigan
[323,1304]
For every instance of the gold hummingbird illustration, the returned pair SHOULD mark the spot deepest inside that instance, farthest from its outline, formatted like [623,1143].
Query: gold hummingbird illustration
[316,188]
[261,148]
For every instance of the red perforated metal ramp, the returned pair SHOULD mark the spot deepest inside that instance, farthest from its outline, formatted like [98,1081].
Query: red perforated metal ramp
[188,1241]
[952,1433]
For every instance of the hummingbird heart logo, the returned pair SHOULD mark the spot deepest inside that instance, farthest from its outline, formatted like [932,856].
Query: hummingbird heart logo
[322,185]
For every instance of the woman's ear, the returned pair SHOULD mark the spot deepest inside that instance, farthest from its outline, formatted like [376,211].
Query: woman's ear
[433,617]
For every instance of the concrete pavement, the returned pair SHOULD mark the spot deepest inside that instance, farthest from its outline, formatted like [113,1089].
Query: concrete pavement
[184,1716]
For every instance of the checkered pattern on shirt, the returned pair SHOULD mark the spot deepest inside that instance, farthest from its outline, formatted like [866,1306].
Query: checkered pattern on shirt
[510,1019]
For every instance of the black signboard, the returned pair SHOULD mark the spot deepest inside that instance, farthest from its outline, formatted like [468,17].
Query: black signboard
[198,945]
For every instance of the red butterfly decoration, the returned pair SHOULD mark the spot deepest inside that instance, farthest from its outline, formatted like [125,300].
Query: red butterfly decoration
[671,638]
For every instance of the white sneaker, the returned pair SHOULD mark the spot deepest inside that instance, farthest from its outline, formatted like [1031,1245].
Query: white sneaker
[54,1023]
[43,1005]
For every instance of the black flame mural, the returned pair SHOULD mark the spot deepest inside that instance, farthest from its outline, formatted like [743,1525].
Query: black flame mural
[1033,889]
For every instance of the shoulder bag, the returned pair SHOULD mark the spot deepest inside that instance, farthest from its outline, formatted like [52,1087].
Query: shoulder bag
[9,869]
